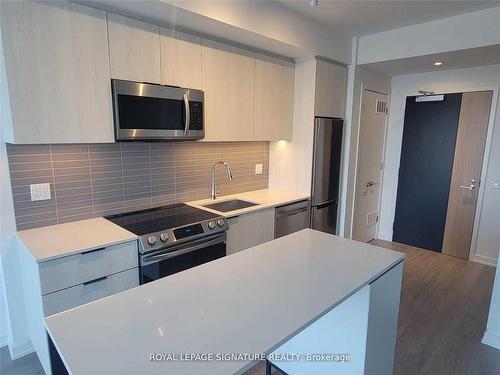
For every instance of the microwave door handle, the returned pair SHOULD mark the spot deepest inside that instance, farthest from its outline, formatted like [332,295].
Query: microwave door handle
[188,114]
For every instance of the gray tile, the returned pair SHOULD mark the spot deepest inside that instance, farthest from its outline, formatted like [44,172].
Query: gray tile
[35,224]
[28,149]
[102,179]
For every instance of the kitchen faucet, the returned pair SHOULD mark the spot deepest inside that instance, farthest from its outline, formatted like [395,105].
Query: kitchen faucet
[229,175]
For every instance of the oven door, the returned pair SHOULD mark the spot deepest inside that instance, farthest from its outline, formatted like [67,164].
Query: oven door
[145,111]
[174,259]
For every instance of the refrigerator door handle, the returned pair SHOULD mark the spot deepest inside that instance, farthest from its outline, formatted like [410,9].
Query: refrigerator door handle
[325,204]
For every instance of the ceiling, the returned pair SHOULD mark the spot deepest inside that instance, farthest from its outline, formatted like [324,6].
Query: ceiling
[480,56]
[361,17]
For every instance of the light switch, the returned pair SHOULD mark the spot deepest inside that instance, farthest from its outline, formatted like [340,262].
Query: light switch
[258,168]
[40,192]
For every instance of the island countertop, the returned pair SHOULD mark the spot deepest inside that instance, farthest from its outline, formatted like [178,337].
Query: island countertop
[249,302]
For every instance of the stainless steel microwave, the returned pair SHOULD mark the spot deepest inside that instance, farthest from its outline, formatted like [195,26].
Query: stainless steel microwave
[147,112]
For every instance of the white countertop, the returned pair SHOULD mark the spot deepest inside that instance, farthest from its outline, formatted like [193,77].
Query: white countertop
[265,198]
[249,302]
[55,241]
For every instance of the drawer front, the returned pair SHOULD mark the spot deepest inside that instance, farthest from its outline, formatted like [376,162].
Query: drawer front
[76,269]
[84,293]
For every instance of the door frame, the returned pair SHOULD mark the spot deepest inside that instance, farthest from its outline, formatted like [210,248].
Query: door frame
[356,162]
[484,170]
[484,165]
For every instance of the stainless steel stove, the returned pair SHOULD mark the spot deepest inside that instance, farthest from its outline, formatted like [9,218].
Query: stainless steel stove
[174,238]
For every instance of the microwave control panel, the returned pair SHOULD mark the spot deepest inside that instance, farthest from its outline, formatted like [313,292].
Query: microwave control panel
[196,112]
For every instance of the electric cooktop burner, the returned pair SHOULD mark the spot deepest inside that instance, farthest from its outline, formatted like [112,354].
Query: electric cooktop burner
[168,225]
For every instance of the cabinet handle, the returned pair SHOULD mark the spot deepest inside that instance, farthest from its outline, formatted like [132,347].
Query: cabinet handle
[92,251]
[95,280]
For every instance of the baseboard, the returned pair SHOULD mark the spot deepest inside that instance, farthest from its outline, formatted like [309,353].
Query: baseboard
[384,236]
[21,350]
[484,260]
[4,340]
[491,339]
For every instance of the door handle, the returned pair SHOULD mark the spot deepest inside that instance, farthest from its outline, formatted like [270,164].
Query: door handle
[469,187]
[370,184]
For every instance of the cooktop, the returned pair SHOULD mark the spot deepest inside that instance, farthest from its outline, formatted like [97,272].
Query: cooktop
[169,225]
[161,218]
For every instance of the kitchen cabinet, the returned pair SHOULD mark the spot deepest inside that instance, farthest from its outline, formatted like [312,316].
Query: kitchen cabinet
[180,59]
[57,66]
[134,49]
[65,282]
[331,89]
[228,83]
[250,230]
[274,85]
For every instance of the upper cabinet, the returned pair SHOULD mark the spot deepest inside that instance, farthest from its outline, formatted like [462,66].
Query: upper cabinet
[228,82]
[56,60]
[274,84]
[134,49]
[60,57]
[180,59]
[331,89]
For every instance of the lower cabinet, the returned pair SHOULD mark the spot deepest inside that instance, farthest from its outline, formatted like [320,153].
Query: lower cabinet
[63,283]
[249,230]
[90,291]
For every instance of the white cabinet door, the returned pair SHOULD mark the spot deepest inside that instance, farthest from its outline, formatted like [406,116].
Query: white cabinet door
[180,59]
[134,49]
[228,82]
[274,81]
[90,291]
[75,269]
[331,89]
[250,230]
[57,63]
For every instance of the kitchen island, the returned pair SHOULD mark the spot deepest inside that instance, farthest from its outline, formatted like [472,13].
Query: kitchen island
[252,302]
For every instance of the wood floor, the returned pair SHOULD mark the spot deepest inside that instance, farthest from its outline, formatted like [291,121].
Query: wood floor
[443,313]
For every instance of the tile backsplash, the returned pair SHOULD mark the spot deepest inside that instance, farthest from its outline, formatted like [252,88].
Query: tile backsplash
[91,180]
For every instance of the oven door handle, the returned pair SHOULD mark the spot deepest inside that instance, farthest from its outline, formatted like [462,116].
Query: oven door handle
[185,249]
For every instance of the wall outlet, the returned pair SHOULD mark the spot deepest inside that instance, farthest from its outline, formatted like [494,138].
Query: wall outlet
[258,168]
[40,192]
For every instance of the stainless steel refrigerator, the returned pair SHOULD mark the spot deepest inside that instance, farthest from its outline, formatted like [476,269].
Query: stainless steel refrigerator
[326,174]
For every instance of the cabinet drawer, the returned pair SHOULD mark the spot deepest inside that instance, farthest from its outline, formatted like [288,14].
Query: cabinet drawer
[76,269]
[91,291]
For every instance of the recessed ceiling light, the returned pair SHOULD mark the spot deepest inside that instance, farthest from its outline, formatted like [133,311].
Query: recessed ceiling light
[437,63]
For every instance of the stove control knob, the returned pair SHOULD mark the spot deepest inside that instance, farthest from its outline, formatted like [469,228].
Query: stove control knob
[220,222]
[211,224]
[151,240]
[164,237]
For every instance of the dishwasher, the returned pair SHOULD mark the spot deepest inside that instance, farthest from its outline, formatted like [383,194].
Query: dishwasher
[291,218]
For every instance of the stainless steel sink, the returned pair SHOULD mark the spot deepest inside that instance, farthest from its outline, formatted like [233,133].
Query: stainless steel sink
[231,205]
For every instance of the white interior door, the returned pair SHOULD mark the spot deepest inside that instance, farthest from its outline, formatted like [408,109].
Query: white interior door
[370,163]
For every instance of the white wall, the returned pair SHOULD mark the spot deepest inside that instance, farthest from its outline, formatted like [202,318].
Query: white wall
[10,280]
[276,22]
[470,30]
[492,334]
[290,163]
[479,78]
